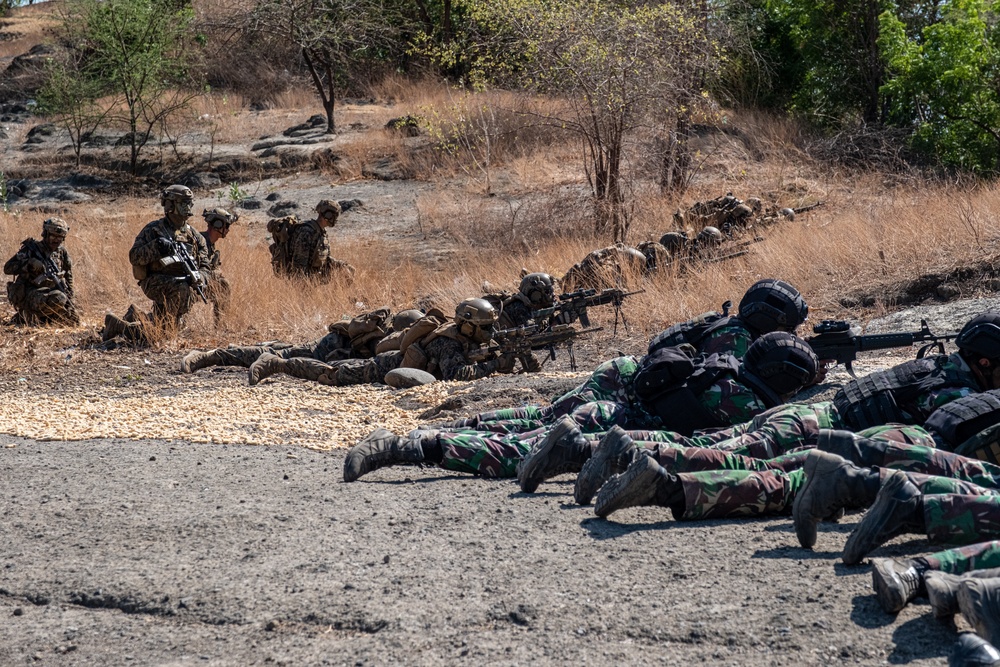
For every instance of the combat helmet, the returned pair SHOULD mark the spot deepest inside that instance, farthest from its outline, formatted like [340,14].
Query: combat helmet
[674,241]
[981,336]
[475,319]
[709,236]
[326,206]
[219,218]
[404,318]
[55,227]
[539,288]
[177,193]
[778,365]
[772,305]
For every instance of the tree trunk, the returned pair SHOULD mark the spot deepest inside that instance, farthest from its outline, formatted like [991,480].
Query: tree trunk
[325,97]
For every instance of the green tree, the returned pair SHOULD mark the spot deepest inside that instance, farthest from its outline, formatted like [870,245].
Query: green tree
[611,67]
[135,58]
[946,83]
[75,100]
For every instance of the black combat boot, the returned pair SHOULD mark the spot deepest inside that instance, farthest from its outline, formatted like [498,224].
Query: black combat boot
[382,448]
[942,589]
[193,361]
[614,453]
[832,483]
[863,452]
[562,450]
[898,509]
[896,582]
[973,651]
[645,482]
[979,600]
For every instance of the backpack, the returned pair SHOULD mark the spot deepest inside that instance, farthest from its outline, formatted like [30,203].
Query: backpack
[282,230]
[671,380]
[692,332]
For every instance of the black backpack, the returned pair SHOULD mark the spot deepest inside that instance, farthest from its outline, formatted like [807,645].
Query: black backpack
[692,332]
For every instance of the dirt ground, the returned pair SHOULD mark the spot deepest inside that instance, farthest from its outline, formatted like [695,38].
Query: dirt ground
[175,552]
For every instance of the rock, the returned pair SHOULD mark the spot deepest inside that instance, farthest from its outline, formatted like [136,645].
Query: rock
[203,180]
[947,292]
[44,130]
[282,209]
[408,125]
[385,169]
[87,181]
[347,204]
[274,196]
[404,378]
[250,204]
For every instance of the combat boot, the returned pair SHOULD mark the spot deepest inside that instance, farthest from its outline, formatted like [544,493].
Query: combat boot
[832,483]
[896,582]
[979,600]
[266,365]
[972,650]
[115,326]
[382,448]
[942,589]
[863,452]
[644,482]
[898,509]
[195,360]
[614,453]
[562,450]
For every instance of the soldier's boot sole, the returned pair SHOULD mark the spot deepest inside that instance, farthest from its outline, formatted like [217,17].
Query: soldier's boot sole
[606,461]
[809,509]
[538,466]
[636,487]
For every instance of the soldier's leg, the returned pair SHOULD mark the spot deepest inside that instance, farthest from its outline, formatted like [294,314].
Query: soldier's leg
[300,367]
[961,519]
[219,292]
[52,305]
[791,427]
[486,454]
[701,459]
[609,382]
[172,298]
[224,356]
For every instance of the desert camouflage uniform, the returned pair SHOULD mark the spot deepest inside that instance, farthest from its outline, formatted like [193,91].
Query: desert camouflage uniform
[610,267]
[727,213]
[515,312]
[335,346]
[171,294]
[445,355]
[496,454]
[42,302]
[309,252]
[217,288]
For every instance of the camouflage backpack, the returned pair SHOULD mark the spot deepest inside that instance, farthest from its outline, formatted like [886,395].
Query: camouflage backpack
[282,230]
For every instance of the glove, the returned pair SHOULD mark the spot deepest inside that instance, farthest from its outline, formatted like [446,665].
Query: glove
[505,362]
[164,246]
[35,265]
[565,317]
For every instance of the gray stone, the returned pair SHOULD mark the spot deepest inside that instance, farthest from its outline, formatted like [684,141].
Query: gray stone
[403,378]
[204,180]
[282,209]
[348,204]
[274,196]
[948,292]
[250,204]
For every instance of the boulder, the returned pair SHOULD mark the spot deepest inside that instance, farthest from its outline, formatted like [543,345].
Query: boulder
[404,378]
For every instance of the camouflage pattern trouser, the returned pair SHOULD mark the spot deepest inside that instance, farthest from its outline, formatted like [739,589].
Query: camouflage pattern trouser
[347,372]
[47,305]
[172,297]
[773,432]
[610,383]
[979,556]
[245,355]
[219,293]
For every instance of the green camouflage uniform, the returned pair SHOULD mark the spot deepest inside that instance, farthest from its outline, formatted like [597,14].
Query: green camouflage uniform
[217,288]
[36,297]
[172,296]
[979,556]
[309,252]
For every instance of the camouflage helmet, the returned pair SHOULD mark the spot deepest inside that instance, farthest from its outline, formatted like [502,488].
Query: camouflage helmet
[404,318]
[176,193]
[779,364]
[219,218]
[772,305]
[475,319]
[326,205]
[673,241]
[709,236]
[539,288]
[981,336]
[55,227]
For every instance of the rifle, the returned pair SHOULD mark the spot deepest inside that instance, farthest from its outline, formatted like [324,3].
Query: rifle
[51,272]
[573,306]
[836,340]
[743,250]
[520,342]
[183,258]
[806,209]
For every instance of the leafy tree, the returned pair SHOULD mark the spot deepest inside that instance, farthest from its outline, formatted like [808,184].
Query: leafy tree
[611,66]
[75,99]
[946,83]
[131,57]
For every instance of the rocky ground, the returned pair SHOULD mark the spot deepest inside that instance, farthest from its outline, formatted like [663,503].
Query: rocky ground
[175,552]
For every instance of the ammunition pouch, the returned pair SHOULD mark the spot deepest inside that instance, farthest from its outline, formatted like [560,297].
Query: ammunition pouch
[16,293]
[415,357]
[139,271]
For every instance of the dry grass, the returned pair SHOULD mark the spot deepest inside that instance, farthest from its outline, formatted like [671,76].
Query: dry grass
[27,26]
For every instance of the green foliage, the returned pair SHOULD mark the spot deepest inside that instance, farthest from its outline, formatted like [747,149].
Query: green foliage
[946,83]
[236,194]
[128,63]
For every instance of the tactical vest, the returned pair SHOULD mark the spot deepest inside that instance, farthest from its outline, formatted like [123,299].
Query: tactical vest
[670,388]
[954,423]
[282,230]
[693,332]
[984,445]
[890,396]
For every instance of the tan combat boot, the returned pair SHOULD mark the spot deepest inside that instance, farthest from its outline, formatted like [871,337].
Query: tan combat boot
[266,365]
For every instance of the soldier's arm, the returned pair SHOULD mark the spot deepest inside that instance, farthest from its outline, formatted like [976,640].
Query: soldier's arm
[145,249]
[201,256]
[732,402]
[933,400]
[453,364]
[734,341]
[67,267]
